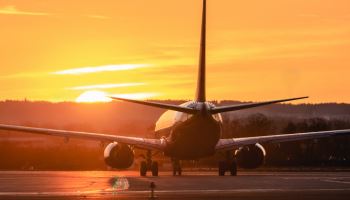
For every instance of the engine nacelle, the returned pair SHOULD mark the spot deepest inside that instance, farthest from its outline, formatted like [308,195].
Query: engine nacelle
[250,157]
[118,156]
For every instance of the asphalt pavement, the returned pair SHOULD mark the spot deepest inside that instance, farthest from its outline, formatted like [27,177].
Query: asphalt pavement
[192,185]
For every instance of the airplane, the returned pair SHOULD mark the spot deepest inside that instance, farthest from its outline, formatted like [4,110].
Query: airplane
[192,131]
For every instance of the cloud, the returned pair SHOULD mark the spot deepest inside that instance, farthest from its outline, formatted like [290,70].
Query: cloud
[96,69]
[24,75]
[12,10]
[97,16]
[105,86]
[309,15]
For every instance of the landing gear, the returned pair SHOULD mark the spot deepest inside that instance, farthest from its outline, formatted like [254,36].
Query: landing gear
[225,166]
[143,168]
[228,165]
[154,169]
[149,165]
[222,168]
[177,170]
[233,168]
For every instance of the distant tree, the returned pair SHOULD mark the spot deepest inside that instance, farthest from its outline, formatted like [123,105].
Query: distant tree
[258,124]
[290,128]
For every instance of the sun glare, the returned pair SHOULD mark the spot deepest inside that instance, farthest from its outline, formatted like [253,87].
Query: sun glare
[92,97]
[106,68]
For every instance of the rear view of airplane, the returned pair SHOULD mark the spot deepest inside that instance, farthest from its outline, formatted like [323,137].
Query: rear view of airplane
[193,131]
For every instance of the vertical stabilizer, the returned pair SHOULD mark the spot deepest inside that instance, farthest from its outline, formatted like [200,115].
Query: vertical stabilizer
[200,96]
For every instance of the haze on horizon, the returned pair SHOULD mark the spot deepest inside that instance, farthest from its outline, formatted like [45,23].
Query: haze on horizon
[257,50]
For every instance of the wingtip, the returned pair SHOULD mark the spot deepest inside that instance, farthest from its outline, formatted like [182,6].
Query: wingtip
[293,99]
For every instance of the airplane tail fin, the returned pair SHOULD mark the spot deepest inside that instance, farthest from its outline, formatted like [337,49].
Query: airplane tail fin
[201,93]
[201,96]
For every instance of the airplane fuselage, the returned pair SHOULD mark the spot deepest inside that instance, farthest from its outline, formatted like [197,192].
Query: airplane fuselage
[189,136]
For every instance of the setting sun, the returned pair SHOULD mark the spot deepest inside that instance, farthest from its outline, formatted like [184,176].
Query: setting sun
[92,97]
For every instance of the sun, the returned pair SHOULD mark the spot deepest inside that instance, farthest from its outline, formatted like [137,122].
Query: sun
[92,97]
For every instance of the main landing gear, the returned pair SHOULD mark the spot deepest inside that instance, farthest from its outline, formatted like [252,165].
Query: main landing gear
[228,165]
[149,165]
[177,170]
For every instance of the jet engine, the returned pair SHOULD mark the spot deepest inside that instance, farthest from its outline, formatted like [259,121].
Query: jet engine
[250,157]
[118,156]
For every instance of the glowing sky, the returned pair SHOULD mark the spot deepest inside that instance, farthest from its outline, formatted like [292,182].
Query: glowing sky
[56,50]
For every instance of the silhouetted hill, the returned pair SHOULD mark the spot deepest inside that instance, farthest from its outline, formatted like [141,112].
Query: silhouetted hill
[111,117]
[115,116]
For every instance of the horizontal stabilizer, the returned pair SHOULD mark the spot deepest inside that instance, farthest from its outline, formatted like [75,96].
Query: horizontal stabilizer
[222,109]
[159,105]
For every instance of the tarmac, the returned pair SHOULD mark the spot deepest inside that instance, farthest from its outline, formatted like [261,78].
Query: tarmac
[192,185]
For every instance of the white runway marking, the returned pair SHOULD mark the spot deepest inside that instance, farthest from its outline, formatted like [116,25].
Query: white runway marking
[337,181]
[110,183]
[112,192]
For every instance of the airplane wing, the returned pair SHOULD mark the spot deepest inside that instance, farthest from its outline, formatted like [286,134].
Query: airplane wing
[142,143]
[235,143]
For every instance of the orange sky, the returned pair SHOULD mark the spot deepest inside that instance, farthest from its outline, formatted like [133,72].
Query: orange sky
[257,50]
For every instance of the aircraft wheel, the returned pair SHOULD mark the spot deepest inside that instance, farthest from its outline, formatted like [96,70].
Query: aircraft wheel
[180,171]
[143,168]
[222,168]
[233,169]
[154,169]
[177,172]
[177,168]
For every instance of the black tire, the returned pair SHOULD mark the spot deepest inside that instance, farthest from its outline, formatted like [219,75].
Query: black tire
[143,168]
[222,168]
[154,168]
[233,169]
[176,171]
[176,168]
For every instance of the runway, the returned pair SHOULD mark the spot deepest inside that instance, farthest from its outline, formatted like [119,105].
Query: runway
[192,185]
